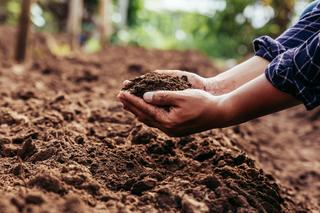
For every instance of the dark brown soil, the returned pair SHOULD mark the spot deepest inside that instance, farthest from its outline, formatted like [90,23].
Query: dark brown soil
[155,81]
[66,145]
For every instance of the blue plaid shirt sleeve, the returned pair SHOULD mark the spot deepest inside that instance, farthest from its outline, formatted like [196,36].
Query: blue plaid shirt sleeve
[297,72]
[306,27]
[295,59]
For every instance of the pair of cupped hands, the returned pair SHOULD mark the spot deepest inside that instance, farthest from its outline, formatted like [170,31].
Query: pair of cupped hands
[190,111]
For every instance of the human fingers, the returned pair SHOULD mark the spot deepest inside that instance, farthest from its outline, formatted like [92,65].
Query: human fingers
[162,98]
[156,113]
[141,116]
[178,73]
[125,83]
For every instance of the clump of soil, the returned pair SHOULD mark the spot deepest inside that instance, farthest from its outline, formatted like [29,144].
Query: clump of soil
[68,146]
[156,81]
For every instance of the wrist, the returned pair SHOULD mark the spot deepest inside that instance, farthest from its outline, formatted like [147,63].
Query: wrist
[210,85]
[227,105]
[221,111]
[219,86]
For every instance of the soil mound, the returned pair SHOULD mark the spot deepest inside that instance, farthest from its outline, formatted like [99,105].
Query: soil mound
[66,145]
[155,81]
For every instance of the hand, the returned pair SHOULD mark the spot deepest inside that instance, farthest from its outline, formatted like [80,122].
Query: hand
[191,110]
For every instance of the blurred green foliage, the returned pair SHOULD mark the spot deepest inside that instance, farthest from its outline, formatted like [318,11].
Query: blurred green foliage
[13,10]
[219,35]
[134,8]
[226,33]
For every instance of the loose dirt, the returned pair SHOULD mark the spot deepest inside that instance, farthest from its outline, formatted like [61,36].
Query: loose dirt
[66,145]
[155,81]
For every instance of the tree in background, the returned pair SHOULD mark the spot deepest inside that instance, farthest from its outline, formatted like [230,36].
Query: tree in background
[134,8]
[23,31]
[3,11]
[74,22]
[105,23]
[56,12]
[123,6]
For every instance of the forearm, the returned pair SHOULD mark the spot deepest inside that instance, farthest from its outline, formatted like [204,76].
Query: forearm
[254,99]
[237,76]
[295,36]
[296,72]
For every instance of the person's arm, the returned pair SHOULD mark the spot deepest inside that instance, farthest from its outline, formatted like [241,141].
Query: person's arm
[295,72]
[194,111]
[255,99]
[266,50]
[227,81]
[292,77]
[236,76]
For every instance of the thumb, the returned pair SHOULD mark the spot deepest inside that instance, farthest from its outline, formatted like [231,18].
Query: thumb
[161,98]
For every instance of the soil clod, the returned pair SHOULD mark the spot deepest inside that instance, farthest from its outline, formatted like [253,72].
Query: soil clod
[154,81]
[66,144]
[48,183]
[141,186]
[34,199]
[27,150]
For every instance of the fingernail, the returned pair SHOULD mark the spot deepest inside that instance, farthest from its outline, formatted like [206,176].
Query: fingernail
[120,96]
[148,96]
[126,82]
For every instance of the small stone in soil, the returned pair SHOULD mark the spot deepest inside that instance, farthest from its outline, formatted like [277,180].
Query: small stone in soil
[34,199]
[141,186]
[79,139]
[8,150]
[143,137]
[43,155]
[27,150]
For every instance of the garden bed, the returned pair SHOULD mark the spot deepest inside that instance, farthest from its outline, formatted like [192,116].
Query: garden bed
[68,146]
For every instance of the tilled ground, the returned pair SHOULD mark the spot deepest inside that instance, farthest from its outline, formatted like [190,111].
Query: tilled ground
[68,146]
[287,146]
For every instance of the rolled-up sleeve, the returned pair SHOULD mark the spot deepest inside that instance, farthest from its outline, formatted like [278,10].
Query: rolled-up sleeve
[307,26]
[297,72]
[268,48]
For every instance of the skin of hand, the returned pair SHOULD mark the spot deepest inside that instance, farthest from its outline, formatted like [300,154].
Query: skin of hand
[226,81]
[193,110]
[237,76]
[254,99]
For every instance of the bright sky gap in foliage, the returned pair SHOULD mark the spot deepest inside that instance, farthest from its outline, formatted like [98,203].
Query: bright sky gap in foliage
[258,13]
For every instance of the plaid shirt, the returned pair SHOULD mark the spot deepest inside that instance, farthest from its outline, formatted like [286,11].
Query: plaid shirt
[295,59]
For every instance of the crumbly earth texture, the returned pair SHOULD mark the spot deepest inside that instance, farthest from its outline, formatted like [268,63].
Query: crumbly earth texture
[155,81]
[66,145]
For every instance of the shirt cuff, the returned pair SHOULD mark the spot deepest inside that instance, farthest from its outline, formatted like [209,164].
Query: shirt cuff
[268,48]
[283,75]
